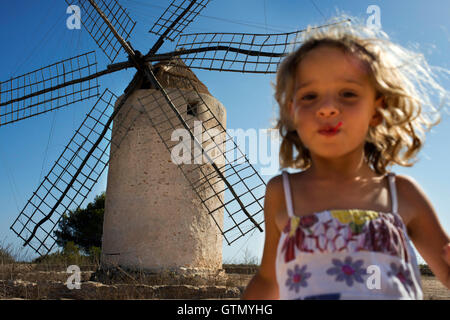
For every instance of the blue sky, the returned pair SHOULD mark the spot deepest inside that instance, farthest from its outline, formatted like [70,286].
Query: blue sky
[34,34]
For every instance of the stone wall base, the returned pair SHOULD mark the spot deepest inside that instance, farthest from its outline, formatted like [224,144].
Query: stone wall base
[166,276]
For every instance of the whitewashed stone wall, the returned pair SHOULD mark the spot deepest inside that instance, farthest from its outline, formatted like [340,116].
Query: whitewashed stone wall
[153,219]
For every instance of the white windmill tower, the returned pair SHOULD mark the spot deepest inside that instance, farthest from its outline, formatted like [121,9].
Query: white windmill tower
[153,218]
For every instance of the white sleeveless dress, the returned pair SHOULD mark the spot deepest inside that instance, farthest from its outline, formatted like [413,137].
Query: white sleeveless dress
[346,254]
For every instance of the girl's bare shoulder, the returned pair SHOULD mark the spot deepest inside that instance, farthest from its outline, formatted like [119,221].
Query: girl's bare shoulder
[275,188]
[275,198]
[278,179]
[274,203]
[413,200]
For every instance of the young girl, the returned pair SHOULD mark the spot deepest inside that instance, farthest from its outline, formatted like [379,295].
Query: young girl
[351,104]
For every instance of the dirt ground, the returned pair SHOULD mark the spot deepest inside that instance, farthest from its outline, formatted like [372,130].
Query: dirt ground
[33,282]
[433,289]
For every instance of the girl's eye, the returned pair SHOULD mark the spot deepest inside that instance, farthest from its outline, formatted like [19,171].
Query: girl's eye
[308,97]
[348,94]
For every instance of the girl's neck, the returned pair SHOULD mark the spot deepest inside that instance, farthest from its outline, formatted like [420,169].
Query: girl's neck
[348,168]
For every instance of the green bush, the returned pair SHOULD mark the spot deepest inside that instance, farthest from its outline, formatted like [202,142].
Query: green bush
[425,270]
[83,226]
[95,254]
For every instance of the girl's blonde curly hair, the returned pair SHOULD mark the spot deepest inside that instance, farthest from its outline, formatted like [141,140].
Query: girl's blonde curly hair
[403,78]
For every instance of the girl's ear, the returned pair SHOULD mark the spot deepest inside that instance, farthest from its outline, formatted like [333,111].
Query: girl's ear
[291,109]
[377,118]
[291,113]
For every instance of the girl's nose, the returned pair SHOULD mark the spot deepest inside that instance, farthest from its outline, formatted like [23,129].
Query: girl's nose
[327,109]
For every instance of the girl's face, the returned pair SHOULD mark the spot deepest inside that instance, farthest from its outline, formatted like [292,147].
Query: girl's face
[333,87]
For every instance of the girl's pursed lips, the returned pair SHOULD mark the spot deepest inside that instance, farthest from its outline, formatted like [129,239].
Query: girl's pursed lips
[330,128]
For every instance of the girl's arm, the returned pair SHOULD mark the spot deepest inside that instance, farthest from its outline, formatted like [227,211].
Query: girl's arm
[264,284]
[427,234]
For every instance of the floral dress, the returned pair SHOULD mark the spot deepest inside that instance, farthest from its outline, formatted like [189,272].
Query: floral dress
[346,254]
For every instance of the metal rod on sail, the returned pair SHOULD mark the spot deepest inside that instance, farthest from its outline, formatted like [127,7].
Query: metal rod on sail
[124,44]
[160,41]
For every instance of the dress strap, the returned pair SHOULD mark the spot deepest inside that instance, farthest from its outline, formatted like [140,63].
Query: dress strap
[287,194]
[393,191]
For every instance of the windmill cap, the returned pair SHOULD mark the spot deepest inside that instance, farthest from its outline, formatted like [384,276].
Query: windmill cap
[172,74]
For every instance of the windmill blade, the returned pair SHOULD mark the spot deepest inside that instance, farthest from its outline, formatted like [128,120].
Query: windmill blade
[216,159]
[238,52]
[49,88]
[178,15]
[98,28]
[72,177]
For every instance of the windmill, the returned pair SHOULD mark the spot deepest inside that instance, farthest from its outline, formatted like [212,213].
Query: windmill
[226,184]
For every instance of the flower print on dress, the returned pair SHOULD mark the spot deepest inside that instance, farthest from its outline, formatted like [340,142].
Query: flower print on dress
[357,216]
[347,270]
[308,221]
[403,274]
[295,238]
[354,218]
[330,236]
[386,235]
[297,278]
